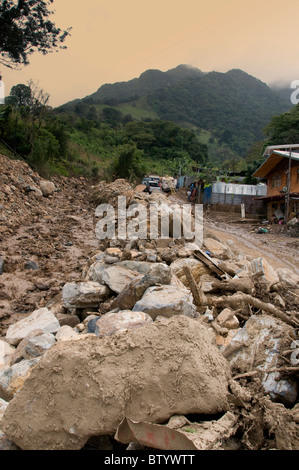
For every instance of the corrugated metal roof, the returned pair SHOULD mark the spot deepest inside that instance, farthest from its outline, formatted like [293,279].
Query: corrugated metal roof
[274,158]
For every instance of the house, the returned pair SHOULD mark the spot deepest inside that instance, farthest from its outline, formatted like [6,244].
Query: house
[282,197]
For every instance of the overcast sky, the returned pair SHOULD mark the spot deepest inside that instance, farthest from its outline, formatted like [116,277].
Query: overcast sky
[117,40]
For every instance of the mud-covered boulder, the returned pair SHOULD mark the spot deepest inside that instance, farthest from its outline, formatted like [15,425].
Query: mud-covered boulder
[86,387]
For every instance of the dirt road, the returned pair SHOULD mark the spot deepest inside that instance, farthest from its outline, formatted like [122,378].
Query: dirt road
[279,249]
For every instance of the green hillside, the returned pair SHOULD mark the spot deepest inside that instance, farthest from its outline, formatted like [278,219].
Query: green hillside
[230,108]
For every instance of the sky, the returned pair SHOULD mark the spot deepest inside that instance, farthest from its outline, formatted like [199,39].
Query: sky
[117,40]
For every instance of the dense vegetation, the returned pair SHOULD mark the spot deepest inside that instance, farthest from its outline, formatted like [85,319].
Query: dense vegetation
[69,143]
[227,111]
[100,140]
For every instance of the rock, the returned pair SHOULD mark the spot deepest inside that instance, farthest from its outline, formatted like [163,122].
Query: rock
[215,247]
[107,193]
[31,265]
[66,333]
[288,277]
[1,265]
[91,321]
[111,259]
[114,251]
[84,294]
[6,444]
[227,319]
[142,267]
[6,353]
[19,353]
[47,188]
[158,274]
[166,301]
[198,269]
[42,319]
[117,277]
[111,322]
[67,319]
[86,387]
[38,345]
[257,346]
[223,341]
[168,256]
[13,378]
[95,272]
[151,258]
[3,406]
[230,268]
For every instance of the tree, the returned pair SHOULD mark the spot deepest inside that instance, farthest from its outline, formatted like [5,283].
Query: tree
[25,29]
[20,96]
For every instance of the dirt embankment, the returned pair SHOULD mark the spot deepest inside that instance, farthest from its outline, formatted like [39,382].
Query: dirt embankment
[44,240]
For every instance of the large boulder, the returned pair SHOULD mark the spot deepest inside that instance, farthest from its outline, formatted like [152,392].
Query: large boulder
[117,277]
[158,274]
[41,319]
[84,294]
[86,387]
[166,301]
[47,188]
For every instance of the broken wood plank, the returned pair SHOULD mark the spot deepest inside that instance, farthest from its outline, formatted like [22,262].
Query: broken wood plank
[202,256]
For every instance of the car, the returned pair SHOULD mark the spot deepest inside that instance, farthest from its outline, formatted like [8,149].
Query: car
[152,186]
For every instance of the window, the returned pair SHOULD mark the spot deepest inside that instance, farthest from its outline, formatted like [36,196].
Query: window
[276,181]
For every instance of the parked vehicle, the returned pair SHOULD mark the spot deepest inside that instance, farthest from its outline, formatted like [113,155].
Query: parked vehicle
[152,186]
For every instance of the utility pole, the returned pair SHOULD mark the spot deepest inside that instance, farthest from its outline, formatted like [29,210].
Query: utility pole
[287,209]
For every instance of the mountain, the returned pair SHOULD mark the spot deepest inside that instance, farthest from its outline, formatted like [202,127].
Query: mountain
[234,106]
[148,82]
[231,108]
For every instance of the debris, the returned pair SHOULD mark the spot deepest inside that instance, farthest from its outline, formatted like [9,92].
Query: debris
[208,435]
[209,262]
[257,346]
[261,265]
[211,361]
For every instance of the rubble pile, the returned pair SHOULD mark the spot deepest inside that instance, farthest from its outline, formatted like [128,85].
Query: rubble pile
[22,194]
[160,343]
[46,232]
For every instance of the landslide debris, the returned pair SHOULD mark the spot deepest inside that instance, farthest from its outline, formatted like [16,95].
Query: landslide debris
[146,343]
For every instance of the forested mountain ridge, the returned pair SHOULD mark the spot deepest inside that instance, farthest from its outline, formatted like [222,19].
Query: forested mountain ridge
[233,107]
[149,81]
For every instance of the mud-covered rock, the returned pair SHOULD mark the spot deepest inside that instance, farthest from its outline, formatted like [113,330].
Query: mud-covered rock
[86,387]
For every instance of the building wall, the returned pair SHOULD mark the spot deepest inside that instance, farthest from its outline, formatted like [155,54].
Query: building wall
[279,175]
